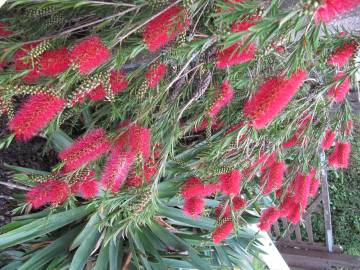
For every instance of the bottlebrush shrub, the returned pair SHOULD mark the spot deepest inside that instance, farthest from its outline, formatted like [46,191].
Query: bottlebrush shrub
[34,114]
[328,9]
[183,168]
[339,92]
[328,139]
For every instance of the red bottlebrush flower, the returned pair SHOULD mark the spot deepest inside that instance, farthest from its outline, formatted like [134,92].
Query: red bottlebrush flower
[237,202]
[328,9]
[338,93]
[155,74]
[315,183]
[49,192]
[230,182]
[54,62]
[89,54]
[328,139]
[133,180]
[150,168]
[117,84]
[268,217]
[223,97]
[273,177]
[262,158]
[194,206]
[165,27]
[139,140]
[85,149]
[222,231]
[294,140]
[34,114]
[23,61]
[286,205]
[193,187]
[340,157]
[294,213]
[341,56]
[272,97]
[234,55]
[302,185]
[87,185]
[116,169]
[215,125]
[349,127]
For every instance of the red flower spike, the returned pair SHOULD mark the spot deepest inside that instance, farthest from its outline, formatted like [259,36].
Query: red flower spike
[117,84]
[3,31]
[87,186]
[272,97]
[139,140]
[89,54]
[49,192]
[85,149]
[155,74]
[165,27]
[294,213]
[133,180]
[194,206]
[274,177]
[315,183]
[287,205]
[150,168]
[230,182]
[244,24]
[293,141]
[224,97]
[338,93]
[302,185]
[328,139]
[262,158]
[233,55]
[222,231]
[194,187]
[34,114]
[238,203]
[268,217]
[341,56]
[22,59]
[328,9]
[339,158]
[54,62]
[116,169]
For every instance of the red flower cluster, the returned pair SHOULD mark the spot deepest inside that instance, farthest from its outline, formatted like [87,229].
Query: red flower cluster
[339,158]
[118,83]
[148,170]
[155,74]
[272,176]
[87,187]
[338,93]
[165,27]
[235,55]
[222,231]
[341,56]
[223,98]
[116,169]
[328,9]
[3,31]
[194,206]
[34,114]
[52,191]
[268,217]
[302,184]
[85,149]
[244,24]
[271,98]
[224,212]
[230,182]
[89,54]
[193,186]
[328,139]
[22,61]
[54,62]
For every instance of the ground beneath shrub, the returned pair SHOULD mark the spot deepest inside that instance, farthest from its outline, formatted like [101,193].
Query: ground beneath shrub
[24,154]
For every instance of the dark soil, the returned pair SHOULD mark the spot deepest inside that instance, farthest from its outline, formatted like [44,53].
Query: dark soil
[24,154]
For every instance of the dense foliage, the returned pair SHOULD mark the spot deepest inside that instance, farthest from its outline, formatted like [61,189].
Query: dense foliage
[178,125]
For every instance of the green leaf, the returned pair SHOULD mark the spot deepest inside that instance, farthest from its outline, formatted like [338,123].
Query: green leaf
[89,228]
[102,261]
[116,253]
[60,140]
[43,226]
[83,252]
[44,255]
[176,242]
[11,266]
